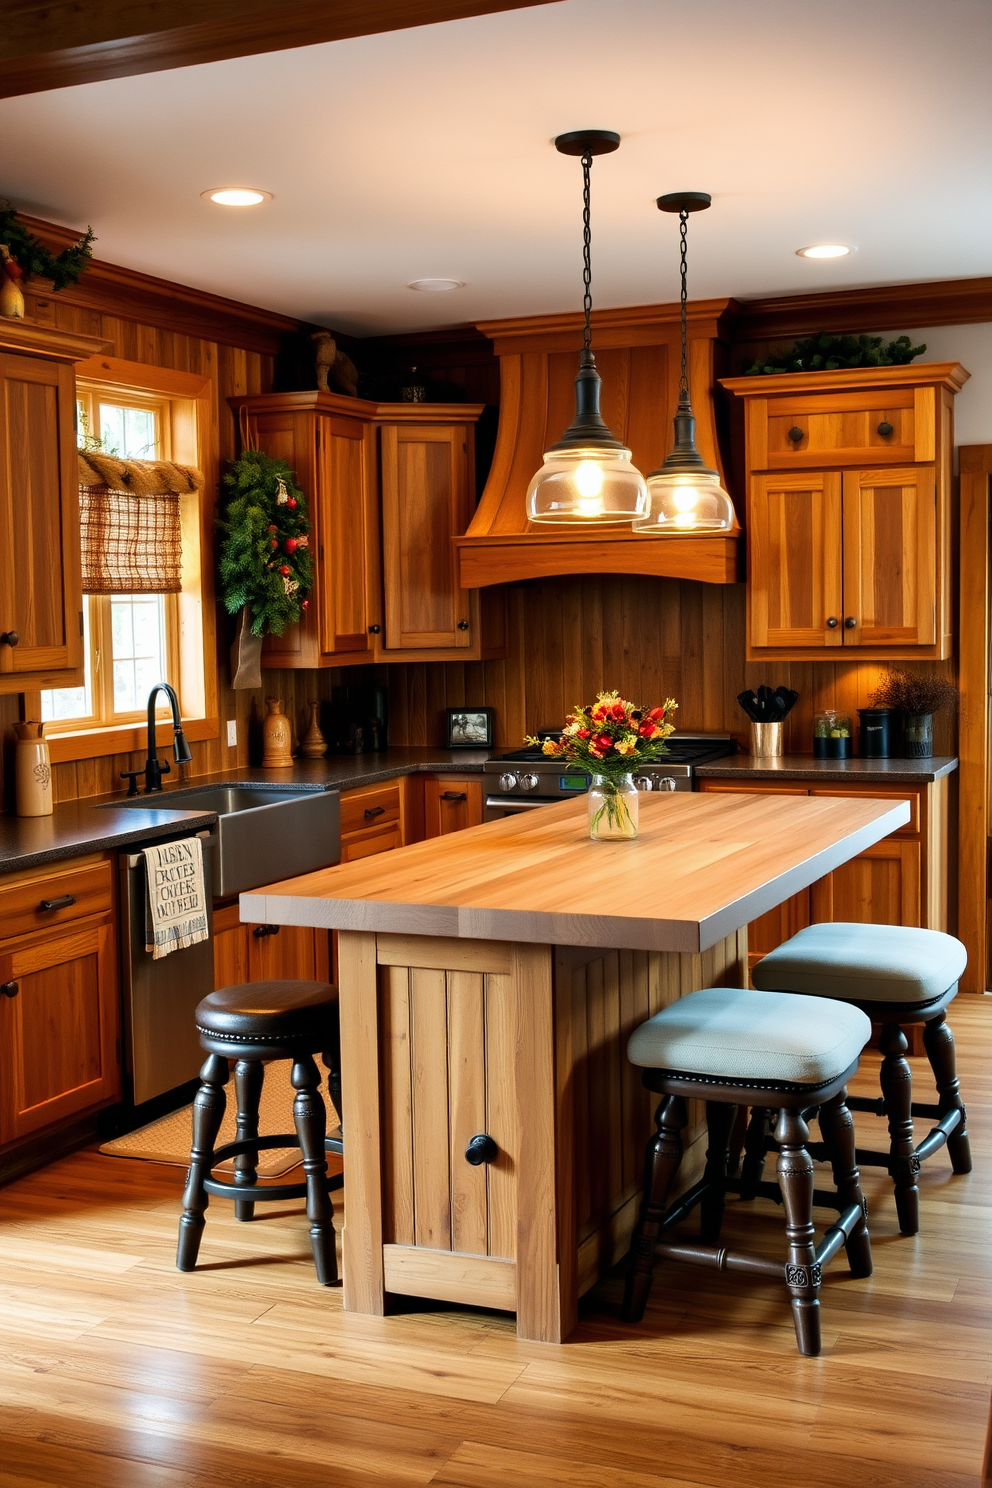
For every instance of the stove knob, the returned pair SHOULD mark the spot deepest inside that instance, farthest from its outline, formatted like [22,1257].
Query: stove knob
[507,782]
[529,782]
[644,782]
[667,782]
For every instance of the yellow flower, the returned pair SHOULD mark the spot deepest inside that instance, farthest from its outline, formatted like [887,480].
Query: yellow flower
[626,746]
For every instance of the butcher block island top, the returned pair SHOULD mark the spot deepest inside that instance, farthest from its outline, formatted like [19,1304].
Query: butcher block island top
[702,867]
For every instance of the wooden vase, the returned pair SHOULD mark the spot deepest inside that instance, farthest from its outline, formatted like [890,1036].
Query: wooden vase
[32,771]
[314,745]
[277,738]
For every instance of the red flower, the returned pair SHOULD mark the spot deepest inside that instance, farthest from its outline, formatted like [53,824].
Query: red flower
[603,741]
[584,734]
[647,729]
[657,714]
[618,712]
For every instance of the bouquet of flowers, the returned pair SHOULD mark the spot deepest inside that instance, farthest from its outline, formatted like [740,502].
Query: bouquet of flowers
[610,738]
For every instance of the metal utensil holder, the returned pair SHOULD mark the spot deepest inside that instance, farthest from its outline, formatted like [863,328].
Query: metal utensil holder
[766,740]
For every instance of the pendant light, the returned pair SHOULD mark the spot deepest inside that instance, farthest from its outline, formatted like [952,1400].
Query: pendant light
[685,495]
[587,477]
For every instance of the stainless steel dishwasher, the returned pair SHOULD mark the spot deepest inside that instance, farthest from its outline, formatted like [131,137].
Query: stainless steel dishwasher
[160,996]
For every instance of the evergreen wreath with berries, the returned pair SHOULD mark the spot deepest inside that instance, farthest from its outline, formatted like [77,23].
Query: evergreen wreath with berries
[32,257]
[265,560]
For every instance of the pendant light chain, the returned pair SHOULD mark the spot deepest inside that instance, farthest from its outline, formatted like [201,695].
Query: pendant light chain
[684,379]
[586,252]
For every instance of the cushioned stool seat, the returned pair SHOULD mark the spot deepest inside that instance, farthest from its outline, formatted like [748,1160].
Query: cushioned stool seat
[864,963]
[250,1025]
[896,974]
[733,1047]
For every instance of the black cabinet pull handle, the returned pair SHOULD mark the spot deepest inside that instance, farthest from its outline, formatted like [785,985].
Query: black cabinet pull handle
[850,622]
[454,795]
[885,429]
[796,434]
[463,625]
[62,902]
[481,1149]
[371,812]
[261,931]
[10,989]
[832,622]
[9,638]
[374,629]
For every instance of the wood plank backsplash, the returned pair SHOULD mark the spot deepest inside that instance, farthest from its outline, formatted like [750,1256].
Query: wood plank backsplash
[651,638]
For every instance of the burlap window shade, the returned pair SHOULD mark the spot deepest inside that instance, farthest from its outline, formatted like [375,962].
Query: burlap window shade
[130,523]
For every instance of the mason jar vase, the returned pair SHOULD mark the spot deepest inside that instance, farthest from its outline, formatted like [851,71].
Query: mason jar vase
[612,808]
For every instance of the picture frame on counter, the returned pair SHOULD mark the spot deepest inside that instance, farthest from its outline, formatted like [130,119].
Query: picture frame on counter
[470,728]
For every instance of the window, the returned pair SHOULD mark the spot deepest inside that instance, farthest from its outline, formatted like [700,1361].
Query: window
[130,642]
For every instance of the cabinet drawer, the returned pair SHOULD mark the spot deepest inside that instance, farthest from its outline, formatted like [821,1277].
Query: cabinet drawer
[854,428]
[367,808]
[88,888]
[912,827]
[377,839]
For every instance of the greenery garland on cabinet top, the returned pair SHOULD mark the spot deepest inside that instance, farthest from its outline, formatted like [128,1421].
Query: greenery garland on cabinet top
[32,257]
[826,353]
[265,560]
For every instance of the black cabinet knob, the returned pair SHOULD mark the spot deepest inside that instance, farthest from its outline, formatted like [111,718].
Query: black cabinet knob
[832,622]
[463,625]
[261,931]
[796,434]
[11,989]
[481,1149]
[374,629]
[62,902]
[850,622]
[9,638]
[885,429]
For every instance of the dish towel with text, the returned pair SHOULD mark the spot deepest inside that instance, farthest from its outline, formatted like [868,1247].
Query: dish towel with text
[176,906]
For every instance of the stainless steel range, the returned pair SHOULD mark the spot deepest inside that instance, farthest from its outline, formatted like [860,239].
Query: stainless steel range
[527,778]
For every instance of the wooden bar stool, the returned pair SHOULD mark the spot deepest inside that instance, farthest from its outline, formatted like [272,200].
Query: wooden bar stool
[248,1026]
[733,1047]
[897,975]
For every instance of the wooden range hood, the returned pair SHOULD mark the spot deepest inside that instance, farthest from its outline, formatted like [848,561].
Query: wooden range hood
[637,353]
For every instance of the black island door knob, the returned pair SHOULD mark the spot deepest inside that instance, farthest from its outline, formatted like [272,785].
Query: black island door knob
[481,1149]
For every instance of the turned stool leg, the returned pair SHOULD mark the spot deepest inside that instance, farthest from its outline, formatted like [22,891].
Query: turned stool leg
[837,1126]
[896,1079]
[802,1272]
[664,1153]
[938,1041]
[755,1148]
[208,1112]
[719,1124]
[248,1075]
[311,1122]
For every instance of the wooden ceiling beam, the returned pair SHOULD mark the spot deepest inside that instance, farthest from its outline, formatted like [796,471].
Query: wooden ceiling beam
[889,307]
[62,44]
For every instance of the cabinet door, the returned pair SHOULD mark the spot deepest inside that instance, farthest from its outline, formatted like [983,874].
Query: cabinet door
[795,564]
[425,482]
[40,593]
[60,1031]
[890,557]
[341,502]
[879,887]
[451,804]
[287,952]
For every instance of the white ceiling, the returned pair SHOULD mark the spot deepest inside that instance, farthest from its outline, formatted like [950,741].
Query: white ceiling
[426,153]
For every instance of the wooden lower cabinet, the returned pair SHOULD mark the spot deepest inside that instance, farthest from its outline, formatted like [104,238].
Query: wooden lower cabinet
[452,802]
[900,881]
[60,1032]
[263,953]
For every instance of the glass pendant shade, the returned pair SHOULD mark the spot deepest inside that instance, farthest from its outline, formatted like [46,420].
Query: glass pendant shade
[685,495]
[587,477]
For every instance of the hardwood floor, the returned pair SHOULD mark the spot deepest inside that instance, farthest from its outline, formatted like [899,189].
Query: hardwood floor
[116,1371]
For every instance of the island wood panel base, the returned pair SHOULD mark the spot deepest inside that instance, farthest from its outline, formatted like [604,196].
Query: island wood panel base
[444,1040]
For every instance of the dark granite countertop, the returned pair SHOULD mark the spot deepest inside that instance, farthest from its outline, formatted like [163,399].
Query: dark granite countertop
[743,767]
[97,823]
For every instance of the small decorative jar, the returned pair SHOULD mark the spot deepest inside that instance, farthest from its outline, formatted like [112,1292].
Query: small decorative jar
[879,732]
[277,738]
[612,808]
[32,771]
[832,735]
[314,745]
[918,736]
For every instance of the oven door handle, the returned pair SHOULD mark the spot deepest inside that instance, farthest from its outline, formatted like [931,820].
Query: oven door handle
[508,804]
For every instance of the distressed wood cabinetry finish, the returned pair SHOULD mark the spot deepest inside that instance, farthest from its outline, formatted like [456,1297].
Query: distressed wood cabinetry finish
[389,487]
[849,512]
[41,601]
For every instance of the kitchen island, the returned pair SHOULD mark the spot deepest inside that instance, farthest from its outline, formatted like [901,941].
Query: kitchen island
[489,981]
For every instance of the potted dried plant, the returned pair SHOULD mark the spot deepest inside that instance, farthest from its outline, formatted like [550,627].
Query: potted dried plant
[918,696]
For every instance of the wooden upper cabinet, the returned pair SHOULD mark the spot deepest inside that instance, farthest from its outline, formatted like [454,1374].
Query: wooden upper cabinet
[849,511]
[425,472]
[40,590]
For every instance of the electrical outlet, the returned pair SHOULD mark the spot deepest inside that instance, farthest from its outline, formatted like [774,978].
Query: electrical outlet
[232,733]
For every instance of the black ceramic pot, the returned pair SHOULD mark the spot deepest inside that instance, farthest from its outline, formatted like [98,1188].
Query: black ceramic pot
[879,733]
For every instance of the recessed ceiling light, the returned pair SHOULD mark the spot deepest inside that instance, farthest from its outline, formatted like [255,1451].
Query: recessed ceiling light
[823,250]
[236,196]
[436,286]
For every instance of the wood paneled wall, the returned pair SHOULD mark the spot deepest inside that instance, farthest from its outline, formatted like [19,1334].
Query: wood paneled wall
[651,638]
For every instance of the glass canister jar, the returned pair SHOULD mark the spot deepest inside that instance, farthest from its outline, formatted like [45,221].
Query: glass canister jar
[832,734]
